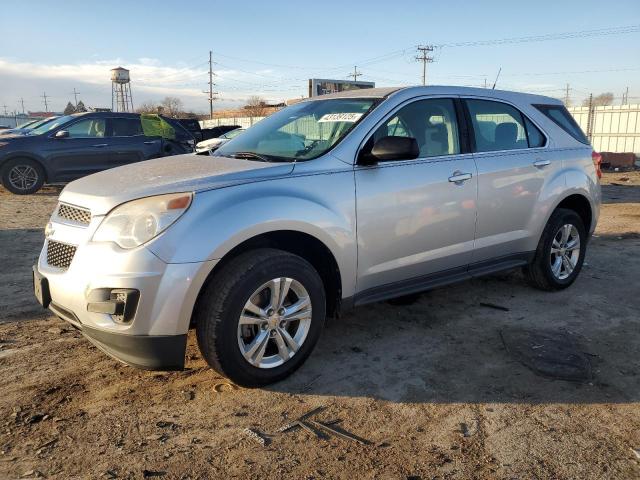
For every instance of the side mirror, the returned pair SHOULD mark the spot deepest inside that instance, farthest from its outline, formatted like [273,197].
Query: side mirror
[392,148]
[61,134]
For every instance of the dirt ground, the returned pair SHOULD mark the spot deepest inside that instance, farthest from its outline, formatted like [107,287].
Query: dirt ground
[430,385]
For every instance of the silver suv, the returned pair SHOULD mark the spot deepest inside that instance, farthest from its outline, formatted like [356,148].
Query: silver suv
[331,203]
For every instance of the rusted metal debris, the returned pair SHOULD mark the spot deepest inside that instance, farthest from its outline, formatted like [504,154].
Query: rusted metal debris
[321,430]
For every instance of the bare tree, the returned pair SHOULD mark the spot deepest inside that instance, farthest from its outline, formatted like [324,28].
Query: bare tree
[172,106]
[600,100]
[147,107]
[256,106]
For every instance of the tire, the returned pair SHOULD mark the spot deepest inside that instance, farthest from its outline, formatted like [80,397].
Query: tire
[224,300]
[22,176]
[540,273]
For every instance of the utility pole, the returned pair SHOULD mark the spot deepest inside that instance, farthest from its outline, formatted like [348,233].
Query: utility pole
[566,96]
[425,58]
[625,97]
[46,105]
[211,93]
[355,74]
[75,95]
[5,110]
[485,82]
[22,103]
[590,117]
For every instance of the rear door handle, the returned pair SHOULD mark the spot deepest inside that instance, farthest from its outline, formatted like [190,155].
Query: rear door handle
[541,163]
[100,145]
[151,142]
[459,177]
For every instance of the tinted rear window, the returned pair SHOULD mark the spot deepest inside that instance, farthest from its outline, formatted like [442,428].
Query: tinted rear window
[559,115]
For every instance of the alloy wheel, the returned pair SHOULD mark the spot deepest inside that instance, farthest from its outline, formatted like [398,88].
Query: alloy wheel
[565,251]
[274,323]
[23,177]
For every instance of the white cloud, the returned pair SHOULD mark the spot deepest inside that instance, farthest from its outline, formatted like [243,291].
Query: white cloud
[150,80]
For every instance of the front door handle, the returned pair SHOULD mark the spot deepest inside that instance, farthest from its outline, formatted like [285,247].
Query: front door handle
[100,145]
[541,163]
[458,177]
[151,142]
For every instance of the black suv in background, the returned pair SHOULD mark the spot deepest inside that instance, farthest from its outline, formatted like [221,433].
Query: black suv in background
[76,145]
[201,134]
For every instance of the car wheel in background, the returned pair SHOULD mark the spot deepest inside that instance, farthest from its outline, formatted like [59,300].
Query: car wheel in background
[22,176]
[560,253]
[260,316]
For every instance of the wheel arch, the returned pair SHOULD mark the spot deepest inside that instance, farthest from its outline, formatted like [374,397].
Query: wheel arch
[580,204]
[306,246]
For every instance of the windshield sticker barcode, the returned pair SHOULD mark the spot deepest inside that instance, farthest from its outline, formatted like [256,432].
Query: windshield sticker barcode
[340,117]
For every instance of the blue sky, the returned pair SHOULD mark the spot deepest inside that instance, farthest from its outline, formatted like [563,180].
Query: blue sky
[271,48]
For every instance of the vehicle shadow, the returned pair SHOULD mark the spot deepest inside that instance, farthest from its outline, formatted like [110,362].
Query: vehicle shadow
[19,250]
[448,347]
[620,193]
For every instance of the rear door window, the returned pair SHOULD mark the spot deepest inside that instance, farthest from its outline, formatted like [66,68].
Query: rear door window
[126,127]
[497,126]
[559,115]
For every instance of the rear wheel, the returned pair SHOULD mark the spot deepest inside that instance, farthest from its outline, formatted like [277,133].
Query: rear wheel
[560,253]
[259,318]
[22,176]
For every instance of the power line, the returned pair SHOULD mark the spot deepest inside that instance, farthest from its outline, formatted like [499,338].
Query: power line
[547,37]
[424,58]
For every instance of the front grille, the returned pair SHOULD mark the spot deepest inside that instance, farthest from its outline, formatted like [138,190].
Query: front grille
[75,214]
[59,255]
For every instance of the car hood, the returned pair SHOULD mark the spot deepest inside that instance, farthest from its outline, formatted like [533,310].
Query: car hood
[13,135]
[102,191]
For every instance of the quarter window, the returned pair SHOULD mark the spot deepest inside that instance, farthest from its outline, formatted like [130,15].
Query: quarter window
[559,115]
[431,122]
[89,128]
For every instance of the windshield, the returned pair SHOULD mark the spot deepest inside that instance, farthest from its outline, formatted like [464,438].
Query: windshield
[30,123]
[302,131]
[48,126]
[232,133]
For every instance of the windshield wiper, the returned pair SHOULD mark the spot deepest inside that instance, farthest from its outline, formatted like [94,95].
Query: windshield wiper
[250,155]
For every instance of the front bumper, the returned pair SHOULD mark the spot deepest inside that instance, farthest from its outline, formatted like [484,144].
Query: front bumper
[156,336]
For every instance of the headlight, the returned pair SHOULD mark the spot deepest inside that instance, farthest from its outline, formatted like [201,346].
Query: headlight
[134,223]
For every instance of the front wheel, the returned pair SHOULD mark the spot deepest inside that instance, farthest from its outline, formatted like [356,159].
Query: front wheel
[22,176]
[560,253]
[259,318]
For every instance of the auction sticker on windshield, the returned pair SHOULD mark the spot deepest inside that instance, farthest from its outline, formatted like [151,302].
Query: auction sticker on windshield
[340,117]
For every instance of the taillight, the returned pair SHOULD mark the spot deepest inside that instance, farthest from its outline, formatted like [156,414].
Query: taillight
[597,161]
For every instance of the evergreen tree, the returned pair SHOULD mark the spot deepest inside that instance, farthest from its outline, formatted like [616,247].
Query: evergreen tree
[81,107]
[69,109]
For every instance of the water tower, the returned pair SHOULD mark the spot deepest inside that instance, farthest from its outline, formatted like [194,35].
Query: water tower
[121,100]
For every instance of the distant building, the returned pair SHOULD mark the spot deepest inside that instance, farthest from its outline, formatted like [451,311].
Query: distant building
[43,114]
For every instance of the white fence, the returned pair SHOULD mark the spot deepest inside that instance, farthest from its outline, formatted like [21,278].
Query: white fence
[614,128]
[244,122]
